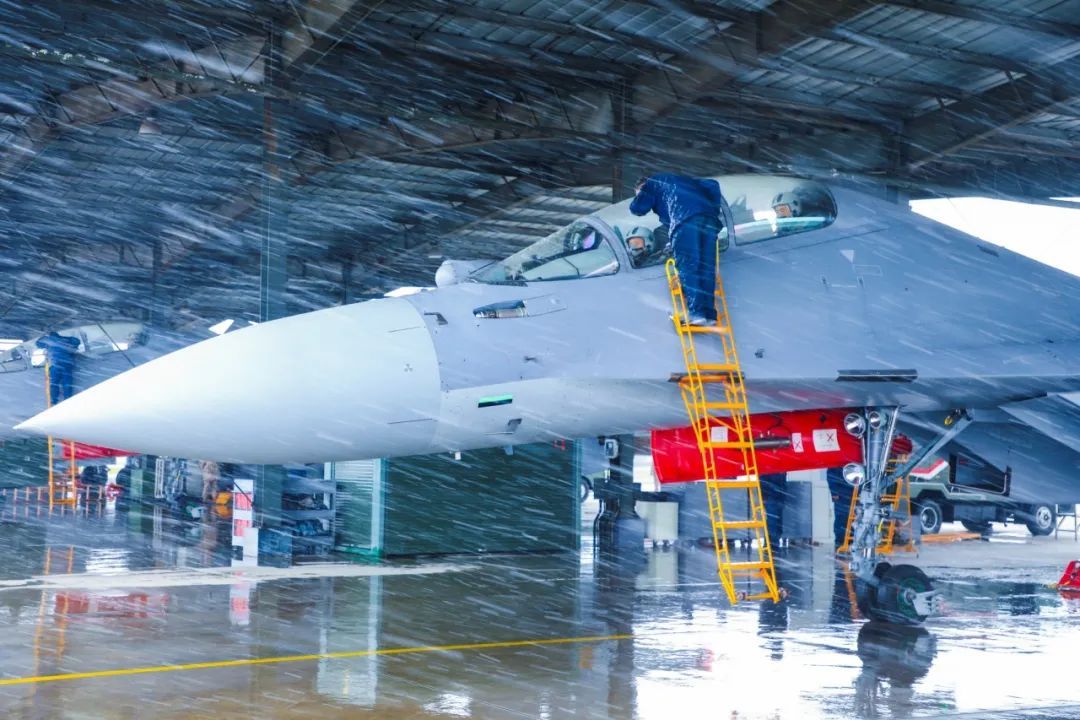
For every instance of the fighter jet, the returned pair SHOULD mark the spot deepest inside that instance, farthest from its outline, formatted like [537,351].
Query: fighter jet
[838,299]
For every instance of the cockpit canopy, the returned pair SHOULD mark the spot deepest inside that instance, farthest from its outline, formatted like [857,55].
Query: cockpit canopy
[579,250]
[761,207]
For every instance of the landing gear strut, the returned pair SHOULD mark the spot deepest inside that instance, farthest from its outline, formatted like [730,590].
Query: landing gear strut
[899,594]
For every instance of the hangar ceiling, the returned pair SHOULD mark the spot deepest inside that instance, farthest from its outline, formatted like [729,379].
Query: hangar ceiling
[149,149]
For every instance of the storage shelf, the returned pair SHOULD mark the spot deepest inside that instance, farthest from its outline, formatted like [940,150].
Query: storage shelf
[308,514]
[308,486]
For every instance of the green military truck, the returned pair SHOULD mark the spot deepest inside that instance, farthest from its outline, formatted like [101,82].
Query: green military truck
[962,489]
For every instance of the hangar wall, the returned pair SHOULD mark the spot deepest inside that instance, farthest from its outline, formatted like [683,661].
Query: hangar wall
[486,501]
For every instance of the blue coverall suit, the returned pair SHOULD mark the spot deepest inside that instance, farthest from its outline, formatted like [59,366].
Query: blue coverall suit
[690,208]
[60,354]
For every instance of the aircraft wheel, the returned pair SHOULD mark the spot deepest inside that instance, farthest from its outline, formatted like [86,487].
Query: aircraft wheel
[866,594]
[888,602]
[1043,519]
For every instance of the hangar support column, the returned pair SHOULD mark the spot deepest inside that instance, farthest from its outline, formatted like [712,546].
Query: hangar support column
[274,231]
[273,253]
[624,171]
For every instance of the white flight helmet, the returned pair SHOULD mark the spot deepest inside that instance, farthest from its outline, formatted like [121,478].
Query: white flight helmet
[787,205]
[648,247]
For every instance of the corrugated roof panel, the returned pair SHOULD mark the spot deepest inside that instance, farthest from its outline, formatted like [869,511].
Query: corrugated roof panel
[1067,10]
[887,63]
[1023,45]
[793,80]
[918,26]
[1053,121]
[646,22]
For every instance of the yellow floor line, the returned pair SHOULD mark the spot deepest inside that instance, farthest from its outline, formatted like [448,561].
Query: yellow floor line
[119,672]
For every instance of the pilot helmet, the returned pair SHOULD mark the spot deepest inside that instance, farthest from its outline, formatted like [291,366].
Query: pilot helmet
[787,205]
[646,246]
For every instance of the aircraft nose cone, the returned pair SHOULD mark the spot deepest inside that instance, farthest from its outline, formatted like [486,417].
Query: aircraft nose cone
[325,385]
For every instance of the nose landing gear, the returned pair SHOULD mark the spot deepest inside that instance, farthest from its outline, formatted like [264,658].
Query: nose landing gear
[898,594]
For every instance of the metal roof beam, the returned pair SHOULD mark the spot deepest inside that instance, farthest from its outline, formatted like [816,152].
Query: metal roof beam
[504,196]
[938,134]
[560,28]
[746,106]
[771,32]
[398,138]
[97,63]
[1024,180]
[432,43]
[163,12]
[983,14]
[315,30]
[904,48]
[319,27]
[103,101]
[705,10]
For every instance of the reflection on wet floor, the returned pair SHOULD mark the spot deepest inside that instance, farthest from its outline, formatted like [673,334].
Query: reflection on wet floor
[650,637]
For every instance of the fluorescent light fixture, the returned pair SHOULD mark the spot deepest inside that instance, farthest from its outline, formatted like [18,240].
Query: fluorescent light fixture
[149,126]
[222,327]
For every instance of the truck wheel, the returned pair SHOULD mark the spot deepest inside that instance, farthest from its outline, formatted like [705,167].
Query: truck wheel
[977,526]
[930,516]
[1043,519]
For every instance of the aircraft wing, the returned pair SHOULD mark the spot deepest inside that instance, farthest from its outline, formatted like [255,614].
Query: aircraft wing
[1036,441]
[1056,415]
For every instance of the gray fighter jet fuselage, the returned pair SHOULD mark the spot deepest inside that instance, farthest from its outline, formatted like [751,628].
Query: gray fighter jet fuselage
[838,299]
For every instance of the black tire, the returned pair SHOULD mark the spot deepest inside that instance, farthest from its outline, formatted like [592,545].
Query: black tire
[1043,520]
[977,526]
[889,603]
[866,594]
[930,516]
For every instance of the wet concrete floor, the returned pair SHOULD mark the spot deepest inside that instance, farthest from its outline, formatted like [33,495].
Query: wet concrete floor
[102,618]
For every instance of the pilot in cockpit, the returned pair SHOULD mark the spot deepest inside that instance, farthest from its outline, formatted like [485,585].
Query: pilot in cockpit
[803,201]
[641,244]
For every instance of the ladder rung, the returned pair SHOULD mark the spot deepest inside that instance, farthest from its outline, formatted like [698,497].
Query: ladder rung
[733,484]
[748,567]
[724,405]
[740,524]
[737,445]
[717,329]
[717,367]
[759,596]
[708,377]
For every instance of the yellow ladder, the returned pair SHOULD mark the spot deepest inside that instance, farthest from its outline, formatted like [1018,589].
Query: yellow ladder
[897,497]
[719,425]
[62,486]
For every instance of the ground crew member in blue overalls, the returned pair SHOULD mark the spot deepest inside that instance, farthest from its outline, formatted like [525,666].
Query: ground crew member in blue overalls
[690,208]
[60,355]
